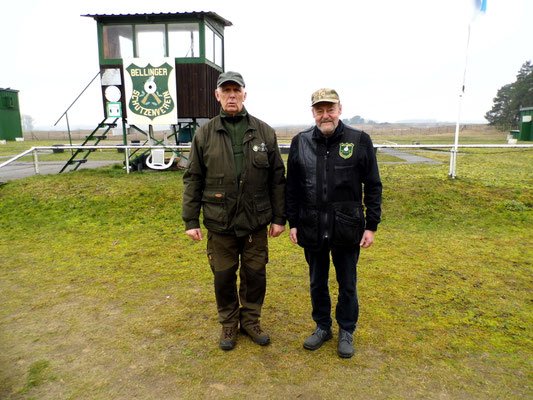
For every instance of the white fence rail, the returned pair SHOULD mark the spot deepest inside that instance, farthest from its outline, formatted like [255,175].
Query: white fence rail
[127,148]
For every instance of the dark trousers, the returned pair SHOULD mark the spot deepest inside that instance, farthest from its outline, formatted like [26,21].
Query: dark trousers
[345,262]
[226,253]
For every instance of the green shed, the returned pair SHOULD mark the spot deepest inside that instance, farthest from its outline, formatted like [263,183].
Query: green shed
[10,120]
[526,126]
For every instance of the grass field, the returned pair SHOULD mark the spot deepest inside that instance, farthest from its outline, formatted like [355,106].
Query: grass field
[104,297]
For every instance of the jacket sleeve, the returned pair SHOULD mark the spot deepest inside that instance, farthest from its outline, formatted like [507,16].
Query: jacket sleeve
[193,185]
[293,184]
[277,185]
[372,186]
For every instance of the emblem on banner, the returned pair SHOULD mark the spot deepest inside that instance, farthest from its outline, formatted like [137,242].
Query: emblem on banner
[346,150]
[150,95]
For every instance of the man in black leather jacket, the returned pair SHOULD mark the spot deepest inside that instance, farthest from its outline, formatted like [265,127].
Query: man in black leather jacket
[331,168]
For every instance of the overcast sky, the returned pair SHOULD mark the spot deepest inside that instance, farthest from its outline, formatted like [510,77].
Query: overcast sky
[389,60]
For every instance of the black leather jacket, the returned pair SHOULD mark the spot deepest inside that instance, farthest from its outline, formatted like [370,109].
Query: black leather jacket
[326,180]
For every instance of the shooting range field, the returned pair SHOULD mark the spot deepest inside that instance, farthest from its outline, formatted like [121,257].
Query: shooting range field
[104,296]
[384,133]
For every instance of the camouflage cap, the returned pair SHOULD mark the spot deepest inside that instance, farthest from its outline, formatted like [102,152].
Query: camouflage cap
[326,95]
[230,76]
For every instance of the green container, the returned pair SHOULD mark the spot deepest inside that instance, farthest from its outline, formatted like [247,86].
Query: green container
[10,121]
[185,134]
[526,125]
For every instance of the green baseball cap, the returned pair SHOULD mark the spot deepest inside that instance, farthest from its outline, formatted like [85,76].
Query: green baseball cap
[230,76]
[324,95]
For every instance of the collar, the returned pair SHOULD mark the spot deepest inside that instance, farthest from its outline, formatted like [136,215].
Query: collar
[319,137]
[229,117]
[252,123]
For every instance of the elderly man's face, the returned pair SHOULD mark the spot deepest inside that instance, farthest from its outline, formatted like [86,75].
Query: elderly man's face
[231,97]
[327,116]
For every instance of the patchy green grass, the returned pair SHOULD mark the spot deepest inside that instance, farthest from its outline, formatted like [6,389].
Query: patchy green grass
[12,148]
[104,297]
[38,373]
[388,158]
[466,136]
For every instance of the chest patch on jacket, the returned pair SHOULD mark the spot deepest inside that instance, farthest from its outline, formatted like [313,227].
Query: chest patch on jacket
[346,150]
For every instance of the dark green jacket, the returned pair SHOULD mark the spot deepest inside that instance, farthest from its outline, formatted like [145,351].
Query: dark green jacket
[210,181]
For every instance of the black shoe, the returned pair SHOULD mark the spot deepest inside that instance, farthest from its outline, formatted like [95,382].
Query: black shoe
[227,337]
[257,334]
[317,339]
[345,347]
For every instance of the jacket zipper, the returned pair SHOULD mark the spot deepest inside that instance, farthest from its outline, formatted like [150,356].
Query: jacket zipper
[325,193]
[244,173]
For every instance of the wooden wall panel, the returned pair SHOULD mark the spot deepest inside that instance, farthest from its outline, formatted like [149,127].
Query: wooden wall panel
[196,90]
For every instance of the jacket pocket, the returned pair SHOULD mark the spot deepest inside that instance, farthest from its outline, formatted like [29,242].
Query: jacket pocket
[348,227]
[260,159]
[308,232]
[214,180]
[214,206]
[344,175]
[263,209]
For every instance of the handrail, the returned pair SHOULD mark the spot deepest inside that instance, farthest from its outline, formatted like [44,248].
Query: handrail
[75,100]
[185,147]
[17,157]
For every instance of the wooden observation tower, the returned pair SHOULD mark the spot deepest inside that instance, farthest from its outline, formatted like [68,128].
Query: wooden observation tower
[158,69]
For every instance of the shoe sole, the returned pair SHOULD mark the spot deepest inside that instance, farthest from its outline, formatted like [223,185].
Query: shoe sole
[244,332]
[343,355]
[319,345]
[227,347]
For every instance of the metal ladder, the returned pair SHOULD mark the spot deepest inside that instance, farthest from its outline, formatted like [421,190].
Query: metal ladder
[92,136]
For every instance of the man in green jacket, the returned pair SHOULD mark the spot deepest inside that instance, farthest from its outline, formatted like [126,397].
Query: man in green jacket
[236,176]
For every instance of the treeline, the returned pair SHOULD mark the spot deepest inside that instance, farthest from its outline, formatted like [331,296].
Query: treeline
[505,112]
[358,120]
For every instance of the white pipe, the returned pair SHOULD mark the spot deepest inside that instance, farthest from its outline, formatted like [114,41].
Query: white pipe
[453,151]
[286,146]
[392,146]
[17,157]
[127,160]
[36,161]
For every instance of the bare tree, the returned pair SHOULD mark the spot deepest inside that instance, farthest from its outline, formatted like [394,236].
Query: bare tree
[27,123]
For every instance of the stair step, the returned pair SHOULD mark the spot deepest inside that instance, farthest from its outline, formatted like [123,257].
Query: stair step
[82,160]
[95,137]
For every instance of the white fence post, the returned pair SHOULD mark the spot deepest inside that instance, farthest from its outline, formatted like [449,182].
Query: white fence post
[36,161]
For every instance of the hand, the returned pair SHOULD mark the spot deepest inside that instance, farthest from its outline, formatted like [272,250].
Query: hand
[195,234]
[367,240]
[275,230]
[292,235]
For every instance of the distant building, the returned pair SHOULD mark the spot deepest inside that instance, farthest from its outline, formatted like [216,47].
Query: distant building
[10,120]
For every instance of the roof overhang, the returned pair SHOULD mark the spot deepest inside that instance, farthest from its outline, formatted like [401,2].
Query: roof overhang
[158,17]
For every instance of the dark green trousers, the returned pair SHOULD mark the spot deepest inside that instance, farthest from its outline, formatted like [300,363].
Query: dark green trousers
[249,255]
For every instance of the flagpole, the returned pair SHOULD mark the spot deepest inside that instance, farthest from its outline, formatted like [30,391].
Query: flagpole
[453,151]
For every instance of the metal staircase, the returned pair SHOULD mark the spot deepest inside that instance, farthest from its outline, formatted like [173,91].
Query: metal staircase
[97,138]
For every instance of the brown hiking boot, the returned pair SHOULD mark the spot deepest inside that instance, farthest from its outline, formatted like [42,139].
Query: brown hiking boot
[227,337]
[257,334]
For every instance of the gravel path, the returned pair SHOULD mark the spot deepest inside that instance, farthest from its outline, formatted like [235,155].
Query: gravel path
[407,157]
[24,169]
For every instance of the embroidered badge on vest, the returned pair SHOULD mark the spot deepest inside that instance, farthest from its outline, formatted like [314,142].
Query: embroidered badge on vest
[346,150]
